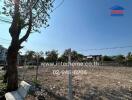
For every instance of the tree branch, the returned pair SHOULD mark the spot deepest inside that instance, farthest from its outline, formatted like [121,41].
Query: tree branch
[23,26]
[14,26]
[24,38]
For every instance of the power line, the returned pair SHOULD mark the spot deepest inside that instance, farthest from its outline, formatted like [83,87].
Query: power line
[4,39]
[4,43]
[58,5]
[4,20]
[108,48]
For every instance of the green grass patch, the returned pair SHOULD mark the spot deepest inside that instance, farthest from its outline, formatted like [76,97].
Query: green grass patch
[2,85]
[1,77]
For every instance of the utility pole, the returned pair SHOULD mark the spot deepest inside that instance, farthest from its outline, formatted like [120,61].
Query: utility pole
[69,76]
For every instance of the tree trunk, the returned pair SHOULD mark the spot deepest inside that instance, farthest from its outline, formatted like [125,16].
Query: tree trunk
[12,74]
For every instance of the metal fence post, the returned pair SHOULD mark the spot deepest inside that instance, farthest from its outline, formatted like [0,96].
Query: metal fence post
[69,76]
[37,67]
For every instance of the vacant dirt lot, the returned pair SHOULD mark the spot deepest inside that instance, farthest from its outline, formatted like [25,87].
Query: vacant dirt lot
[94,83]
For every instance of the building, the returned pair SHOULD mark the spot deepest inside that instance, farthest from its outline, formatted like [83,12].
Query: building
[3,54]
[94,58]
[20,60]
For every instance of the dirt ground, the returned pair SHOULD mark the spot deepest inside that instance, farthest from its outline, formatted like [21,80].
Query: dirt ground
[88,83]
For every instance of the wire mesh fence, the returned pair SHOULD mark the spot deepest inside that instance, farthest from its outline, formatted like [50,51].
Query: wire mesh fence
[92,82]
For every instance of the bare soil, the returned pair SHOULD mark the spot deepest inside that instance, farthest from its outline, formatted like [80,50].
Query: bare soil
[99,83]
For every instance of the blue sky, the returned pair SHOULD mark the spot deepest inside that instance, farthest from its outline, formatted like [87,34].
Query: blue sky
[82,25]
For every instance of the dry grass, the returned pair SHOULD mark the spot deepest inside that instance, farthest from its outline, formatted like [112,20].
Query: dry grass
[100,83]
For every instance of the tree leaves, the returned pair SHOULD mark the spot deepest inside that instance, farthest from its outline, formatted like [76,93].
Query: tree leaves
[40,12]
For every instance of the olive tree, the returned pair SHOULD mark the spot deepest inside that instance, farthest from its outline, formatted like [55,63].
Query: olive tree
[27,15]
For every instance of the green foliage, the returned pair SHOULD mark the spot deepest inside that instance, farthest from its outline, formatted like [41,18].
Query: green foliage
[32,56]
[51,56]
[30,67]
[2,85]
[119,58]
[107,58]
[64,56]
[129,57]
[39,9]
[129,54]
[29,15]
[75,56]
[41,59]
[1,77]
[36,82]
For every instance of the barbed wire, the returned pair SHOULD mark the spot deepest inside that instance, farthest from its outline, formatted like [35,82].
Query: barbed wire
[1,38]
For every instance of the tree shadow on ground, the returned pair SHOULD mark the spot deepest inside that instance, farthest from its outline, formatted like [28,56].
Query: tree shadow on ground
[94,93]
[2,94]
[57,97]
[42,93]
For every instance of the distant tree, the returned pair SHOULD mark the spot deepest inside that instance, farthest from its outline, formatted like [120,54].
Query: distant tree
[34,56]
[30,55]
[129,57]
[41,59]
[39,56]
[119,58]
[51,56]
[64,56]
[75,56]
[107,58]
[129,54]
[81,57]
[27,15]
[61,59]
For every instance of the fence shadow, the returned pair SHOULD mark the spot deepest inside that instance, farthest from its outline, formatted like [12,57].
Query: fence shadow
[57,97]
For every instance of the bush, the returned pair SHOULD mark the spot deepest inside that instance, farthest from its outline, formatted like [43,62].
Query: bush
[30,67]
[2,86]
[1,77]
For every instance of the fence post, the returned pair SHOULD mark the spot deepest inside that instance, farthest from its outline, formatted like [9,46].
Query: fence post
[69,76]
[37,67]
[24,67]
